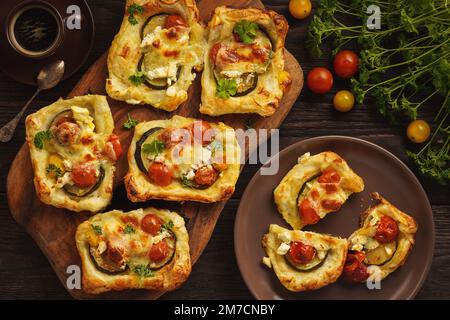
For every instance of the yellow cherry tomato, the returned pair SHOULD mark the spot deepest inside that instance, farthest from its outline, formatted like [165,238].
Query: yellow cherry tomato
[418,131]
[343,101]
[300,9]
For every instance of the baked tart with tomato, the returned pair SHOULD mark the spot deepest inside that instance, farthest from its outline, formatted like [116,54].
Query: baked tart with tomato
[382,244]
[73,152]
[304,260]
[144,248]
[244,62]
[316,186]
[153,57]
[182,159]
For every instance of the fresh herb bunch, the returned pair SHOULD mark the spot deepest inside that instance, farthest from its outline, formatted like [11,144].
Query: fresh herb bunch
[402,66]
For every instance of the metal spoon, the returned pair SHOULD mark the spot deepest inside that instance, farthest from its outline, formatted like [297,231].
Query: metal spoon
[47,78]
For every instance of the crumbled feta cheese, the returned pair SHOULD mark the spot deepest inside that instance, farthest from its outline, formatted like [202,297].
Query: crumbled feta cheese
[357,247]
[321,254]
[159,158]
[101,247]
[285,236]
[171,91]
[65,179]
[267,262]
[190,175]
[283,249]
[151,37]
[157,73]
[82,117]
[231,73]
[133,101]
[388,250]
[160,236]
[67,165]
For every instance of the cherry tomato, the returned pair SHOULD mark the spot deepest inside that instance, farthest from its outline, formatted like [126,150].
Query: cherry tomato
[343,101]
[307,212]
[172,137]
[174,20]
[158,251]
[205,176]
[301,253]
[83,175]
[151,224]
[114,139]
[354,269]
[346,64]
[418,131]
[160,174]
[331,204]
[320,80]
[387,230]
[300,9]
[329,175]
[202,132]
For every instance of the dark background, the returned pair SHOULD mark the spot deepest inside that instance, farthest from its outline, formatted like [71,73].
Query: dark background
[25,272]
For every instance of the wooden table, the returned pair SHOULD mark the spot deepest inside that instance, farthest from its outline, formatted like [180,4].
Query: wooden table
[26,274]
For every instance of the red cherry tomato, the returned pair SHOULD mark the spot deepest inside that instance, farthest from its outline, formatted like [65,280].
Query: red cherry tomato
[320,80]
[83,175]
[205,176]
[151,224]
[301,253]
[307,212]
[114,139]
[174,20]
[158,251]
[331,204]
[387,230]
[346,64]
[329,176]
[160,174]
[354,269]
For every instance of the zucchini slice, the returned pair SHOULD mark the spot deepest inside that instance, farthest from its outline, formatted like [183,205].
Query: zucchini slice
[157,83]
[153,265]
[306,187]
[314,263]
[382,254]
[103,266]
[83,192]
[153,22]
[139,144]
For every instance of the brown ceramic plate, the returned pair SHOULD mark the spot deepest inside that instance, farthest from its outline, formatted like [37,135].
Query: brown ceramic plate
[74,47]
[382,172]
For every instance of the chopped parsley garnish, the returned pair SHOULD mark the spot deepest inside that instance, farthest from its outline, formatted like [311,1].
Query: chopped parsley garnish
[130,123]
[226,88]
[132,10]
[41,137]
[167,226]
[154,148]
[129,230]
[97,229]
[51,168]
[246,31]
[138,78]
[143,271]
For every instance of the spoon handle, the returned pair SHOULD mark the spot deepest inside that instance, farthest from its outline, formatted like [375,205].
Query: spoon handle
[7,131]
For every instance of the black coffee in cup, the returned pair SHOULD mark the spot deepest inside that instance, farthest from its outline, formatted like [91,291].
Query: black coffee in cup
[34,30]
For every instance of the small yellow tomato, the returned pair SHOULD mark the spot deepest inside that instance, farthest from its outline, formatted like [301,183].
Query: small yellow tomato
[300,9]
[343,101]
[418,131]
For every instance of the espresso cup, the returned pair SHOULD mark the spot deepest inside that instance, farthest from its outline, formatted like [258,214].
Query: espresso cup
[35,29]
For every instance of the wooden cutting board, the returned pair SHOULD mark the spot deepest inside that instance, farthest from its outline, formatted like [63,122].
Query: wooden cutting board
[53,229]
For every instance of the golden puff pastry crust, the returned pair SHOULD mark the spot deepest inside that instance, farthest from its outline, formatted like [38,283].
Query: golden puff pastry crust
[271,81]
[56,150]
[120,236]
[320,183]
[393,254]
[186,160]
[332,249]
[175,48]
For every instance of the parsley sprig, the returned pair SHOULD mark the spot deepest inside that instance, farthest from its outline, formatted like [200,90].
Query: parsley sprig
[246,31]
[167,226]
[41,137]
[143,270]
[53,169]
[138,78]
[130,123]
[132,10]
[226,88]
[97,229]
[128,229]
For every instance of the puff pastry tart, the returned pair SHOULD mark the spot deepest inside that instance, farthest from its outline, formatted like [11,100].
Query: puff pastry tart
[182,159]
[146,249]
[304,260]
[382,244]
[244,65]
[314,187]
[152,58]
[73,152]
